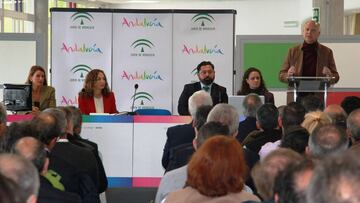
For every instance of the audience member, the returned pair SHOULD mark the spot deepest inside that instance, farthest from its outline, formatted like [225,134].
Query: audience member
[353,129]
[291,184]
[327,139]
[294,114]
[226,115]
[96,96]
[314,119]
[337,114]
[350,103]
[206,75]
[251,104]
[182,134]
[181,154]
[266,170]
[175,179]
[3,120]
[23,173]
[8,190]
[74,137]
[335,180]
[267,120]
[34,151]
[296,138]
[312,103]
[43,96]
[223,179]
[253,82]
[15,131]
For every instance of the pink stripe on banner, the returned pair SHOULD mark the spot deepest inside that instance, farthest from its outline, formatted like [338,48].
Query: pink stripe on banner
[17,118]
[146,182]
[162,119]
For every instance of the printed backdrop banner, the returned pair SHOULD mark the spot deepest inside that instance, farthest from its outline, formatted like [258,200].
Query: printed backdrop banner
[81,41]
[142,46]
[202,37]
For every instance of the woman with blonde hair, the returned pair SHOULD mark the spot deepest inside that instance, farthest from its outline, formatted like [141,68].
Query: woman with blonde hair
[216,173]
[314,119]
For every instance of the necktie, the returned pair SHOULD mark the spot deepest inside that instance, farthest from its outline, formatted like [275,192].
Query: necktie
[206,88]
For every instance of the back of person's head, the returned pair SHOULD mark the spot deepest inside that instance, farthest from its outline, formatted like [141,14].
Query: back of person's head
[199,98]
[16,131]
[327,139]
[295,138]
[210,129]
[45,127]
[226,115]
[350,103]
[251,104]
[218,167]
[8,191]
[68,117]
[201,116]
[204,63]
[33,150]
[266,170]
[336,179]
[294,114]
[23,173]
[60,117]
[312,103]
[3,120]
[353,125]
[291,184]
[267,116]
[76,119]
[281,110]
[314,119]
[337,115]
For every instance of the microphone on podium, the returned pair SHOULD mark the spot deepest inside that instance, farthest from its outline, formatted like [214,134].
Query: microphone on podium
[136,86]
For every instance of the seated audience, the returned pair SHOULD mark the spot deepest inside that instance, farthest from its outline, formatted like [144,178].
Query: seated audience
[253,82]
[296,138]
[337,114]
[353,129]
[251,104]
[43,96]
[326,140]
[336,179]
[3,120]
[266,170]
[96,96]
[312,103]
[350,103]
[267,121]
[182,134]
[314,119]
[223,179]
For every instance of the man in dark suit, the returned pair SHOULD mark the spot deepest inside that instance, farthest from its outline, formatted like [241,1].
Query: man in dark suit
[251,104]
[182,134]
[206,75]
[33,150]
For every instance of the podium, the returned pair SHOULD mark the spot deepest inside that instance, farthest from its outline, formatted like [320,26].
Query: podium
[309,84]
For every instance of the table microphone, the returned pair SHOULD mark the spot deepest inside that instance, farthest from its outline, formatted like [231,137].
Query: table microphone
[136,86]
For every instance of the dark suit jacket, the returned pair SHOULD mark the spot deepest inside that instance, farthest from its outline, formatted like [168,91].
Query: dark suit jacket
[218,95]
[256,139]
[176,135]
[87,104]
[92,146]
[245,127]
[81,159]
[49,194]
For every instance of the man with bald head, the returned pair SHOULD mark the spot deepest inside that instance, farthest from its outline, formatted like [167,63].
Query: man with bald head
[309,59]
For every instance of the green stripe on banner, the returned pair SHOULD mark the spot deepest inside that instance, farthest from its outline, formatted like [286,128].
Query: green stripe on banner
[268,57]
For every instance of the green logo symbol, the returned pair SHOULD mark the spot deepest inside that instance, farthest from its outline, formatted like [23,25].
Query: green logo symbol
[82,16]
[202,17]
[82,68]
[142,43]
[142,96]
[194,71]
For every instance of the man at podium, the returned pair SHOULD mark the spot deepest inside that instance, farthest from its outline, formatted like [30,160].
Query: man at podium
[309,59]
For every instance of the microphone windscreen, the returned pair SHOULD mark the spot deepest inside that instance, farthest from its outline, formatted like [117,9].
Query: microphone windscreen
[136,86]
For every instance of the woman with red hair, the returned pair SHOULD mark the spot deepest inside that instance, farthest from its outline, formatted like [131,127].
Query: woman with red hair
[216,173]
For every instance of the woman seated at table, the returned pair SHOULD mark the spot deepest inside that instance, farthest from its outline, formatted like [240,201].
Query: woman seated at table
[216,173]
[43,96]
[96,96]
[253,82]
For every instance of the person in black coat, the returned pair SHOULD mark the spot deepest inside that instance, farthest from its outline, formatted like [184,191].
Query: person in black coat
[206,75]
